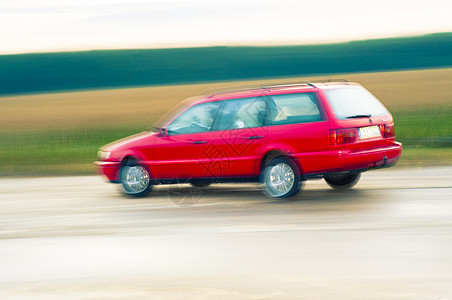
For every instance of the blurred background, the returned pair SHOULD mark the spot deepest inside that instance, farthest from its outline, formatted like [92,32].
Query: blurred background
[77,74]
[64,92]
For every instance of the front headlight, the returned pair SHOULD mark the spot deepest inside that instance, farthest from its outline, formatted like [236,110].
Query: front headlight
[103,155]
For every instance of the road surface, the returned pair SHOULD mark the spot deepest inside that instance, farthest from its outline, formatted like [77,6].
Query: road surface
[76,238]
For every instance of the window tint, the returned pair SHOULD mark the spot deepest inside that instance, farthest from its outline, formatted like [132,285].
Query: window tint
[293,108]
[353,102]
[198,118]
[241,113]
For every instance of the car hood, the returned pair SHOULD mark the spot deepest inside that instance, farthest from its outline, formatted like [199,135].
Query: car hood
[128,141]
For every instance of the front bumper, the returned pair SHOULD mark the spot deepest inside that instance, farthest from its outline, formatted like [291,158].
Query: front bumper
[109,169]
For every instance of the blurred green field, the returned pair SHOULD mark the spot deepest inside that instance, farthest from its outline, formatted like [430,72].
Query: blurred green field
[60,133]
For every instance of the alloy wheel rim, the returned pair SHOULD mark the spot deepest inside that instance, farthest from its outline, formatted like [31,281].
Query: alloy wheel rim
[136,179]
[281,179]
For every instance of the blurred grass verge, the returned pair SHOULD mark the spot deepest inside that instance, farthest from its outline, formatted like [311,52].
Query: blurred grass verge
[59,134]
[72,152]
[55,152]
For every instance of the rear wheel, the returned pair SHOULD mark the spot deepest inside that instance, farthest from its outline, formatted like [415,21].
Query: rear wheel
[343,180]
[135,179]
[281,178]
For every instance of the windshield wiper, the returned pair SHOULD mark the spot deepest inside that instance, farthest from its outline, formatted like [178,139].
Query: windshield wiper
[153,128]
[359,116]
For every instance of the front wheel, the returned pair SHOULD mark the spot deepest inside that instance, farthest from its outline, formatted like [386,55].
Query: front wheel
[281,178]
[135,179]
[342,181]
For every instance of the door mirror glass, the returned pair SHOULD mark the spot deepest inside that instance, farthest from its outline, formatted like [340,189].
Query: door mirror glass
[164,131]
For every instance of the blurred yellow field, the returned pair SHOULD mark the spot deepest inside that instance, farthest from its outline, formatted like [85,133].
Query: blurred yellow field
[106,108]
[59,133]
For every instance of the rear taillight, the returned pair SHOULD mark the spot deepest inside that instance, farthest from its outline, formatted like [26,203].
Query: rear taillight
[387,130]
[343,136]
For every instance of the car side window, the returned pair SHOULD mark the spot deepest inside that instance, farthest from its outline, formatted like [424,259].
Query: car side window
[293,108]
[198,118]
[241,113]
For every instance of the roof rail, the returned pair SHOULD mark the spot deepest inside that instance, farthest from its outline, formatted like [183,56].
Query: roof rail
[219,91]
[310,83]
[336,80]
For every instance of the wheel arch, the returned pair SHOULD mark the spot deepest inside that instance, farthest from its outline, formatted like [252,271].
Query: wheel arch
[274,153]
[133,157]
[130,157]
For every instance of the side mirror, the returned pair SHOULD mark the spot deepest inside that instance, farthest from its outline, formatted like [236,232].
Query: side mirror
[164,132]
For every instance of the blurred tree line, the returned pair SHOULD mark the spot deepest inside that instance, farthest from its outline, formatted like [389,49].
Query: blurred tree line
[44,72]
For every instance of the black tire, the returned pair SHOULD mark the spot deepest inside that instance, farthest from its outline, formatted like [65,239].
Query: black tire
[135,179]
[343,180]
[200,184]
[281,178]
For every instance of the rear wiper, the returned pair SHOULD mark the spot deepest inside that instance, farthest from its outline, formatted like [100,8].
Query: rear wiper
[359,116]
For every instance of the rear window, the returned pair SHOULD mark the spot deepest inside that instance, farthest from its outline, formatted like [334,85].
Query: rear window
[354,102]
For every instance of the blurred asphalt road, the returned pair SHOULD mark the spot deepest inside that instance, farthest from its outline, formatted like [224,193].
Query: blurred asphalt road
[76,238]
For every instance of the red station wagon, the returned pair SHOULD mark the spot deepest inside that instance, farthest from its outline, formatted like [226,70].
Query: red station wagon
[278,135]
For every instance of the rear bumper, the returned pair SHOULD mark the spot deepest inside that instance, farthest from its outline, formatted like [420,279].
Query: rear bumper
[347,160]
[109,169]
[373,158]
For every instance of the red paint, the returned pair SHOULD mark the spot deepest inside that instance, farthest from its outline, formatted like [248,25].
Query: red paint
[326,145]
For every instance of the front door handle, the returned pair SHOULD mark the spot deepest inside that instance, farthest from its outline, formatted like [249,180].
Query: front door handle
[255,137]
[199,142]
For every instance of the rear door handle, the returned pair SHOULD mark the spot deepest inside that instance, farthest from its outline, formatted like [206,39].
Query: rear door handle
[199,142]
[255,137]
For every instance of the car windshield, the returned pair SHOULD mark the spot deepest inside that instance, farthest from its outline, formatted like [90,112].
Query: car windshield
[355,102]
[198,118]
[173,113]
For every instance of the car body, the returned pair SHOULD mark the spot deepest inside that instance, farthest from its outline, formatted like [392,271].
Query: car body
[278,135]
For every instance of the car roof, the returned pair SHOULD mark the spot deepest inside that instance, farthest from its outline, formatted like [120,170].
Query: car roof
[249,92]
[256,91]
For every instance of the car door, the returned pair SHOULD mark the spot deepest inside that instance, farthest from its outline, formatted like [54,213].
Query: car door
[298,124]
[240,139]
[183,151]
